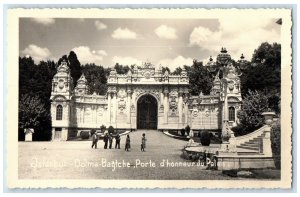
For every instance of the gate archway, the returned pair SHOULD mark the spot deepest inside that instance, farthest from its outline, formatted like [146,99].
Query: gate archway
[147,112]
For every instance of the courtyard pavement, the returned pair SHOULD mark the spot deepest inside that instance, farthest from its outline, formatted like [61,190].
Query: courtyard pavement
[77,160]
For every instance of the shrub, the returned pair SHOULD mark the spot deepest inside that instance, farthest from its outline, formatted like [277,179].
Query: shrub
[187,129]
[111,129]
[103,128]
[84,134]
[205,138]
[276,143]
[182,132]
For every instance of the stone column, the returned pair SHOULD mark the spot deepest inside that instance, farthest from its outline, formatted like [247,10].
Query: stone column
[129,106]
[108,108]
[114,107]
[180,107]
[161,98]
[166,105]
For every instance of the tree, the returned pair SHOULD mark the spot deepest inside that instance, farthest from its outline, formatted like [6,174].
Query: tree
[31,109]
[35,81]
[177,71]
[120,69]
[75,67]
[250,118]
[96,77]
[265,72]
[268,54]
[200,78]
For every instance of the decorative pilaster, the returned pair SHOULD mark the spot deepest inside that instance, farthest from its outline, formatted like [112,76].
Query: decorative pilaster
[180,106]
[109,107]
[129,106]
[166,105]
[114,107]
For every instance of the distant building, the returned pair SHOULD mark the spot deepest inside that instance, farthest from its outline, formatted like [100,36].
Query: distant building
[144,98]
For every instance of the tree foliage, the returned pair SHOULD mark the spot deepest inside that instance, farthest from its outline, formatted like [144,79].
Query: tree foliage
[200,79]
[35,85]
[276,142]
[265,73]
[31,109]
[250,118]
[120,69]
[74,65]
[96,77]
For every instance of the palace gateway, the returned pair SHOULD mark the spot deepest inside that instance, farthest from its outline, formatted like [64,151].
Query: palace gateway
[144,98]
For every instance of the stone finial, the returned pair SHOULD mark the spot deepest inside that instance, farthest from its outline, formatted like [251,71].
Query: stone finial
[268,117]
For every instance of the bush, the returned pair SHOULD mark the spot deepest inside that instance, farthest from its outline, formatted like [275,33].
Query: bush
[276,143]
[84,135]
[187,129]
[103,128]
[182,132]
[205,138]
[111,129]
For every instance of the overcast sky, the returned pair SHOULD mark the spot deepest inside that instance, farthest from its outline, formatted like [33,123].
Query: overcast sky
[169,42]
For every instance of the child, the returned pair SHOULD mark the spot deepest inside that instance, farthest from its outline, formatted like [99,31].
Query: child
[127,144]
[94,139]
[143,145]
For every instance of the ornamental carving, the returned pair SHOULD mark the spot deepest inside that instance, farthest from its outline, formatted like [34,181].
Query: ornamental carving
[122,105]
[122,93]
[152,91]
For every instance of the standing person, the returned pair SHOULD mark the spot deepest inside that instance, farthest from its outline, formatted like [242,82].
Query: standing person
[118,139]
[110,139]
[94,139]
[105,140]
[127,144]
[143,145]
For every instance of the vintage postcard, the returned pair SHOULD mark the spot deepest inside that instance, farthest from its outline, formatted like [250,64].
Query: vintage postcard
[149,98]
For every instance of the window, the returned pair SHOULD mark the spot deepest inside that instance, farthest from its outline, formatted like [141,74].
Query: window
[231,114]
[59,112]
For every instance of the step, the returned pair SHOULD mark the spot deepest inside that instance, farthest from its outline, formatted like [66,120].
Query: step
[249,153]
[247,147]
[250,145]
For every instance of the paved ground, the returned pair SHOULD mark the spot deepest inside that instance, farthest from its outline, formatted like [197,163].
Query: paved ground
[76,160]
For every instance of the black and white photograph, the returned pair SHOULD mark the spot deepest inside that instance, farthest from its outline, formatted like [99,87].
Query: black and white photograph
[144,96]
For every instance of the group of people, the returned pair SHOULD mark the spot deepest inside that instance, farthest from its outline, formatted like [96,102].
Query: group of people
[108,141]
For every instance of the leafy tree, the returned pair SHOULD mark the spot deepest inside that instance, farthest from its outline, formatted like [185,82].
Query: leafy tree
[120,69]
[268,54]
[35,80]
[265,73]
[200,78]
[177,71]
[96,77]
[250,118]
[31,109]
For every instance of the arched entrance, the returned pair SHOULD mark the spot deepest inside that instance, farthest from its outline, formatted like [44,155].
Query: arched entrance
[147,112]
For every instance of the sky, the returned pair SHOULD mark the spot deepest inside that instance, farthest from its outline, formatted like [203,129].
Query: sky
[165,42]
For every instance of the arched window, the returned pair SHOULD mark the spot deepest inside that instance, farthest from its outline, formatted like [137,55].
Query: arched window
[59,112]
[231,114]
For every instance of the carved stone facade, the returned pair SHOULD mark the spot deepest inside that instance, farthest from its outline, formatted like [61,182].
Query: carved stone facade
[172,107]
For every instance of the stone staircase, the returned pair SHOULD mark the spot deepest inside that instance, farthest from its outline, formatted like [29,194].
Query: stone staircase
[250,144]
[253,144]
